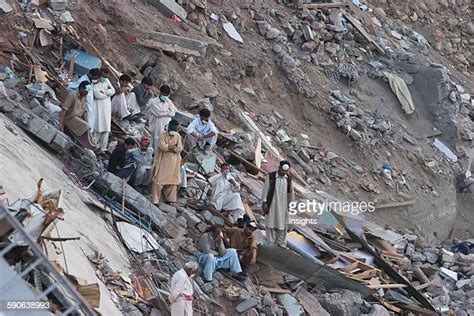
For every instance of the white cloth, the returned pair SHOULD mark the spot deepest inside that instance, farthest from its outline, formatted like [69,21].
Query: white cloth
[198,127]
[124,105]
[90,99]
[225,196]
[181,284]
[160,114]
[278,216]
[103,106]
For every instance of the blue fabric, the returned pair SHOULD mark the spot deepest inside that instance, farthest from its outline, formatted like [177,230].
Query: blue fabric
[210,263]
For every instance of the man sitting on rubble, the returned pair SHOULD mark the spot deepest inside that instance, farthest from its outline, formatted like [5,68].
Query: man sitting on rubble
[161,111]
[181,290]
[225,193]
[120,162]
[204,131]
[143,93]
[124,103]
[276,196]
[212,255]
[93,78]
[143,156]
[73,116]
[244,241]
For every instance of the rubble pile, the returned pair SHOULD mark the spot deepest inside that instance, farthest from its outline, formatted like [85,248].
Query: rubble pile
[340,264]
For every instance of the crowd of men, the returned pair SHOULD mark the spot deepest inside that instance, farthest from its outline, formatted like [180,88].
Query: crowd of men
[153,165]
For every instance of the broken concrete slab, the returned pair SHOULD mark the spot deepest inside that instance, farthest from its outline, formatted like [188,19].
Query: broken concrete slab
[191,218]
[168,42]
[113,185]
[310,303]
[170,8]
[5,7]
[246,305]
[291,305]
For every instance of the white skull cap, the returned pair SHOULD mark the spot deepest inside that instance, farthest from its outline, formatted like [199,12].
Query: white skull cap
[285,167]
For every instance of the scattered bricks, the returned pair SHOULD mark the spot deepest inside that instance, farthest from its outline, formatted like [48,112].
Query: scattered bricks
[170,245]
[41,129]
[199,281]
[252,312]
[170,8]
[202,227]
[57,5]
[181,221]
[207,215]
[191,218]
[216,220]
[167,209]
[207,287]
[355,135]
[445,258]
[431,257]
[303,154]
[246,305]
[218,276]
[61,142]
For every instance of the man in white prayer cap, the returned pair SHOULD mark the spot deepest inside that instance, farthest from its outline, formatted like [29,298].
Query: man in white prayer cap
[276,196]
[181,290]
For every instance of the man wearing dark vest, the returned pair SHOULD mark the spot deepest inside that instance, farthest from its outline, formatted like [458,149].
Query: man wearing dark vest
[276,196]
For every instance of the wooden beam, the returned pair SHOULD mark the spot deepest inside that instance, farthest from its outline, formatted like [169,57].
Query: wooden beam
[277,290]
[386,286]
[362,31]
[396,204]
[333,5]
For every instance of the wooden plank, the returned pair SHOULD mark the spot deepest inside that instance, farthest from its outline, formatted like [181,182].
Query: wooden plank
[391,307]
[422,286]
[277,290]
[396,204]
[392,255]
[365,275]
[362,31]
[386,286]
[324,5]
[351,267]
[258,153]
[249,212]
[253,169]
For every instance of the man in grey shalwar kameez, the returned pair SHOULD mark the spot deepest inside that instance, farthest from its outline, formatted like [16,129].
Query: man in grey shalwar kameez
[276,196]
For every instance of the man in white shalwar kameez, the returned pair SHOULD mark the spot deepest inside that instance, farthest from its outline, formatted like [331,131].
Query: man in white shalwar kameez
[92,77]
[204,131]
[225,193]
[181,290]
[124,102]
[103,90]
[276,196]
[161,111]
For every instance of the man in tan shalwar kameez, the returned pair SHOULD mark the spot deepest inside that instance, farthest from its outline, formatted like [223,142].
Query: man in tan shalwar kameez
[166,167]
[73,116]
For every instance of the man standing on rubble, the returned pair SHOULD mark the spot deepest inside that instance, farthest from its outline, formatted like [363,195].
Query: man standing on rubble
[212,255]
[143,156]
[276,196]
[181,290]
[165,174]
[225,193]
[244,241]
[142,93]
[203,130]
[73,116]
[93,78]
[162,110]
[103,91]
